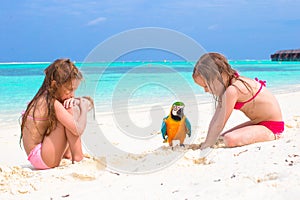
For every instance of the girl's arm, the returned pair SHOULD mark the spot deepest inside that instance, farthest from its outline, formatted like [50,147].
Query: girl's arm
[222,114]
[75,124]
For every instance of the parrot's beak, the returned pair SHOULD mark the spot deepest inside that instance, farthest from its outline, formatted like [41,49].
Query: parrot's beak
[179,112]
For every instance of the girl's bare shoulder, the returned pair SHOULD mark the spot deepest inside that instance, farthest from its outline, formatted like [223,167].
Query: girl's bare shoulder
[232,90]
[245,85]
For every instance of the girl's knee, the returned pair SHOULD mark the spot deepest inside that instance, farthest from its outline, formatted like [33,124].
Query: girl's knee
[230,140]
[77,157]
[52,163]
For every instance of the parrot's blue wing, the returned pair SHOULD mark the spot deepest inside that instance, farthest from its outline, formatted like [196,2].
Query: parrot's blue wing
[164,128]
[188,126]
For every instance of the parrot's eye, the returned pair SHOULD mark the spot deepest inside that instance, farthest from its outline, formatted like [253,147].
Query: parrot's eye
[175,108]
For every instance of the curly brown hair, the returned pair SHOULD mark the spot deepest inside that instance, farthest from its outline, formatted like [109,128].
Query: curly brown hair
[61,71]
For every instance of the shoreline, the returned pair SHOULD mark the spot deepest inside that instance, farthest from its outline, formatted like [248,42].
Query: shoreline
[12,116]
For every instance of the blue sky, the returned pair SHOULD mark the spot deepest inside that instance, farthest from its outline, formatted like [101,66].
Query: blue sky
[38,30]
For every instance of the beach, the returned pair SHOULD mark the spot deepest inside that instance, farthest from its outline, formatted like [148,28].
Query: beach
[269,170]
[136,59]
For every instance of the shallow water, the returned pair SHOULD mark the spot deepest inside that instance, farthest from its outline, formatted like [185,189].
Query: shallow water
[121,85]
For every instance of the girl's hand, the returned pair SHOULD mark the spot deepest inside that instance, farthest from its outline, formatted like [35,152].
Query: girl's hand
[69,103]
[79,101]
[203,145]
[204,152]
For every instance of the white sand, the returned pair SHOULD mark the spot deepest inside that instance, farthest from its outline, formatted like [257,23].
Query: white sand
[269,170]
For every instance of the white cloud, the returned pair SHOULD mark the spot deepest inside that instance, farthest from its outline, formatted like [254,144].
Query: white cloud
[96,21]
[213,27]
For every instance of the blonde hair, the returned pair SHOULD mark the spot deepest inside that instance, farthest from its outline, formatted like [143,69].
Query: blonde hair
[211,67]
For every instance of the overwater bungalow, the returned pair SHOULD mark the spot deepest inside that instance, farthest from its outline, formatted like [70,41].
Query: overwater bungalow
[286,55]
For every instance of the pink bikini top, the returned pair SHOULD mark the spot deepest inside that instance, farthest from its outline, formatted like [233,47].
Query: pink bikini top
[34,118]
[239,105]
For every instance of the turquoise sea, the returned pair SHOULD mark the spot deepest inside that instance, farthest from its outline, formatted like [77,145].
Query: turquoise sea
[134,84]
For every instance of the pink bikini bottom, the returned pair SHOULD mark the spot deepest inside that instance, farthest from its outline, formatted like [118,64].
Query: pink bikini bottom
[35,158]
[277,127]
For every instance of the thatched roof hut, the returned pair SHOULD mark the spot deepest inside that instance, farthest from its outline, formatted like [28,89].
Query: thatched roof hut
[286,55]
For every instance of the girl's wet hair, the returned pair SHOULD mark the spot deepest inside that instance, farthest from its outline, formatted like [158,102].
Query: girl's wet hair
[61,71]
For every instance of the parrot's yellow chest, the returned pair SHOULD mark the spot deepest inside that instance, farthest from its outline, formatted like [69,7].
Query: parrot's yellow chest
[175,129]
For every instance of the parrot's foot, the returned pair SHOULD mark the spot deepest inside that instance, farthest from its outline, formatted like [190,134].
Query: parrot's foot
[182,145]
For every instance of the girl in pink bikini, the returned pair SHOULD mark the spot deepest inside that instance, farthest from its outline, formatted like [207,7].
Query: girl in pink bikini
[231,91]
[54,120]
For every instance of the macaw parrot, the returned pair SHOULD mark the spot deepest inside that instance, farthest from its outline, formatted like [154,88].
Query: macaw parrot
[176,126]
